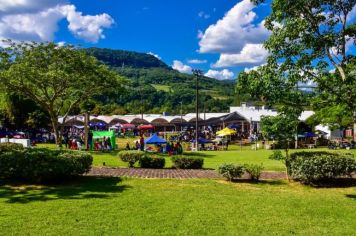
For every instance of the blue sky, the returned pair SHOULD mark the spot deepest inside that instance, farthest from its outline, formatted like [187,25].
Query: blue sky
[219,37]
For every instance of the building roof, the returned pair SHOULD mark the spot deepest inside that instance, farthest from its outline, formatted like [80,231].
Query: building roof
[243,112]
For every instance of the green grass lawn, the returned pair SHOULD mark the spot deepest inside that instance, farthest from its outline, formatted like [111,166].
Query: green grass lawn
[212,159]
[114,206]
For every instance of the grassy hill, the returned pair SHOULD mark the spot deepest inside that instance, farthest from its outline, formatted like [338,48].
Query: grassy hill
[156,87]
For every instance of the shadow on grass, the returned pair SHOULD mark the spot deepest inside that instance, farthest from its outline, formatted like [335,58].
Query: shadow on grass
[84,187]
[352,196]
[198,154]
[337,183]
[266,182]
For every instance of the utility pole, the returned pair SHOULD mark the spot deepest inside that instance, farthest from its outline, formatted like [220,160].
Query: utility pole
[197,74]
[181,115]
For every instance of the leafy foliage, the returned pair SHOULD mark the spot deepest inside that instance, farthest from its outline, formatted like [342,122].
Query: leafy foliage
[313,167]
[254,171]
[43,164]
[56,78]
[276,155]
[131,156]
[149,161]
[186,162]
[7,147]
[231,171]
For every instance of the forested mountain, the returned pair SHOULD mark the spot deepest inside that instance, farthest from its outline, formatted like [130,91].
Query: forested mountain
[155,87]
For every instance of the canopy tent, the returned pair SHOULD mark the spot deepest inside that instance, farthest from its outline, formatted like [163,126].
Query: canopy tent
[97,124]
[309,134]
[107,134]
[155,139]
[203,141]
[226,132]
[128,126]
[146,127]
[233,126]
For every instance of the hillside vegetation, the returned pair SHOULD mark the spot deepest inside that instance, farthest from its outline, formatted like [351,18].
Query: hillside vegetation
[155,87]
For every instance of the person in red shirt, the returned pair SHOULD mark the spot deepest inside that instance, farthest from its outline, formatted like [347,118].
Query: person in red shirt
[142,143]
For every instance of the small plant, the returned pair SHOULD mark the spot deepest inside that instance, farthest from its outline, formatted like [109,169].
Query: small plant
[154,162]
[184,162]
[231,171]
[277,155]
[131,157]
[254,171]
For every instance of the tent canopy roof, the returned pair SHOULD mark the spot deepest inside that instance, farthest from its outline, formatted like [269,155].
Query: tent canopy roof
[155,139]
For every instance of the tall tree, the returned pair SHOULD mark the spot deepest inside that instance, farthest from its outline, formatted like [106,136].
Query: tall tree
[57,78]
[308,39]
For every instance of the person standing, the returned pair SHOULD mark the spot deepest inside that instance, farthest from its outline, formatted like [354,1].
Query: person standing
[142,143]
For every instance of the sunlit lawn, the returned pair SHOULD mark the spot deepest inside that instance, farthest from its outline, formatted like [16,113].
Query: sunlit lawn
[212,159]
[109,206]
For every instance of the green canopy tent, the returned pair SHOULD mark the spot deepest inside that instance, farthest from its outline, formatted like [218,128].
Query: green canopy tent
[107,134]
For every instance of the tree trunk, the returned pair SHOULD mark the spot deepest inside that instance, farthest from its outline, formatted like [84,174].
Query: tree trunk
[287,161]
[57,134]
[86,130]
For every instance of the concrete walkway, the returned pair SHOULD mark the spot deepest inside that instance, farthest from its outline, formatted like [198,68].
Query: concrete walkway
[171,173]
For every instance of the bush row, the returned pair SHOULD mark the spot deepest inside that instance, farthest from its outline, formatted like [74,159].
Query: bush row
[186,162]
[234,171]
[147,160]
[313,167]
[40,165]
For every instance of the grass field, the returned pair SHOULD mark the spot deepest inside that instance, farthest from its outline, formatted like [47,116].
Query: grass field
[160,87]
[212,159]
[114,206]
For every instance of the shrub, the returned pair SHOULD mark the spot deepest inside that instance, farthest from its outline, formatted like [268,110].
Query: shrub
[254,171]
[231,171]
[313,167]
[43,164]
[276,155]
[154,162]
[131,157]
[184,162]
[6,147]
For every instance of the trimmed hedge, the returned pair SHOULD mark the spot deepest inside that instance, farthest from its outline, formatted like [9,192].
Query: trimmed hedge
[43,164]
[231,171]
[154,162]
[184,162]
[313,167]
[131,157]
[6,147]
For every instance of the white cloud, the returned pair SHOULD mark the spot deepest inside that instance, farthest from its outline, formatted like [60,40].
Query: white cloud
[89,28]
[197,61]
[27,6]
[352,14]
[224,74]
[254,68]
[231,33]
[179,66]
[203,15]
[200,34]
[250,54]
[155,55]
[26,20]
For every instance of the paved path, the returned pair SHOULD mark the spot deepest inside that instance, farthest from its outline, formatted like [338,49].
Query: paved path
[171,173]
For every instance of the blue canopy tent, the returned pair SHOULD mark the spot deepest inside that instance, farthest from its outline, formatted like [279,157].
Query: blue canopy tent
[203,141]
[155,139]
[309,134]
[233,126]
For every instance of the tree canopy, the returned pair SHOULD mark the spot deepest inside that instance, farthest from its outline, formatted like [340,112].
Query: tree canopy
[308,39]
[56,78]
